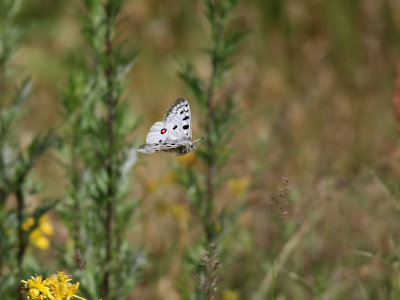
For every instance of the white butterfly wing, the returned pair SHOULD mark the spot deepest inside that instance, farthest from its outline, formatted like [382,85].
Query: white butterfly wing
[149,148]
[169,134]
[179,119]
[162,132]
[153,148]
[155,134]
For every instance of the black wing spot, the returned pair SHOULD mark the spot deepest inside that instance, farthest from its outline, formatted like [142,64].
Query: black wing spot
[182,111]
[187,111]
[165,144]
[186,104]
[185,127]
[185,118]
[156,150]
[176,126]
[160,141]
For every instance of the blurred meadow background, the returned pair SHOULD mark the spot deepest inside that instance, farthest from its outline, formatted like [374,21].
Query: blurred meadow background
[307,205]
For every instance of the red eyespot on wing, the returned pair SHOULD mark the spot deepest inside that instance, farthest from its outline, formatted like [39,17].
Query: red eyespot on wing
[164,130]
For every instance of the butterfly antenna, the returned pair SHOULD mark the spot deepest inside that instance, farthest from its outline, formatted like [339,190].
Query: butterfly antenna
[194,143]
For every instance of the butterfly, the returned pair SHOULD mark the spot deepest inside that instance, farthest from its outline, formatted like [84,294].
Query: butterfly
[174,133]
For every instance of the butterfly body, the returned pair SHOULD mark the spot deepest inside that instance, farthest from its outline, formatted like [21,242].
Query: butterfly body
[174,133]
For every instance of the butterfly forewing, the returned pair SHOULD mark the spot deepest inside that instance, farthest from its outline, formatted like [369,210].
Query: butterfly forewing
[178,115]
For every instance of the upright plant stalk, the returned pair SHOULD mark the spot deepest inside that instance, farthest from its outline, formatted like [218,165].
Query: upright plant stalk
[101,122]
[7,45]
[76,204]
[4,53]
[209,127]
[109,74]
[21,234]
[77,229]
[16,163]
[210,162]
[219,127]
[3,56]
[219,117]
[3,65]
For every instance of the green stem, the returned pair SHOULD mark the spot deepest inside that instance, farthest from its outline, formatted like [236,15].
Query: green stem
[22,243]
[211,168]
[209,227]
[76,204]
[3,58]
[20,218]
[109,73]
[3,69]
[2,79]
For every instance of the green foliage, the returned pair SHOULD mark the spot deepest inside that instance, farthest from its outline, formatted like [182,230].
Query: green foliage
[221,118]
[314,81]
[219,126]
[10,35]
[98,156]
[16,162]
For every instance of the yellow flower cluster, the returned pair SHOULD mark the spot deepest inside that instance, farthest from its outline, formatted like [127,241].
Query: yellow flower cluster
[38,236]
[56,287]
[230,294]
[239,186]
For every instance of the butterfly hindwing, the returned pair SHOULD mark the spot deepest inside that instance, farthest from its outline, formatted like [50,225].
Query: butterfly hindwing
[162,132]
[149,148]
[152,148]
[157,133]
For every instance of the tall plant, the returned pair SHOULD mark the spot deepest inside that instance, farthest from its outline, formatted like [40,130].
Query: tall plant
[17,185]
[98,156]
[219,114]
[219,125]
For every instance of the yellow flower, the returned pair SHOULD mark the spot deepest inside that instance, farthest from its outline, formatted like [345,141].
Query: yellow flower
[181,213]
[28,223]
[42,242]
[239,186]
[45,225]
[35,288]
[56,287]
[34,293]
[230,295]
[38,235]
